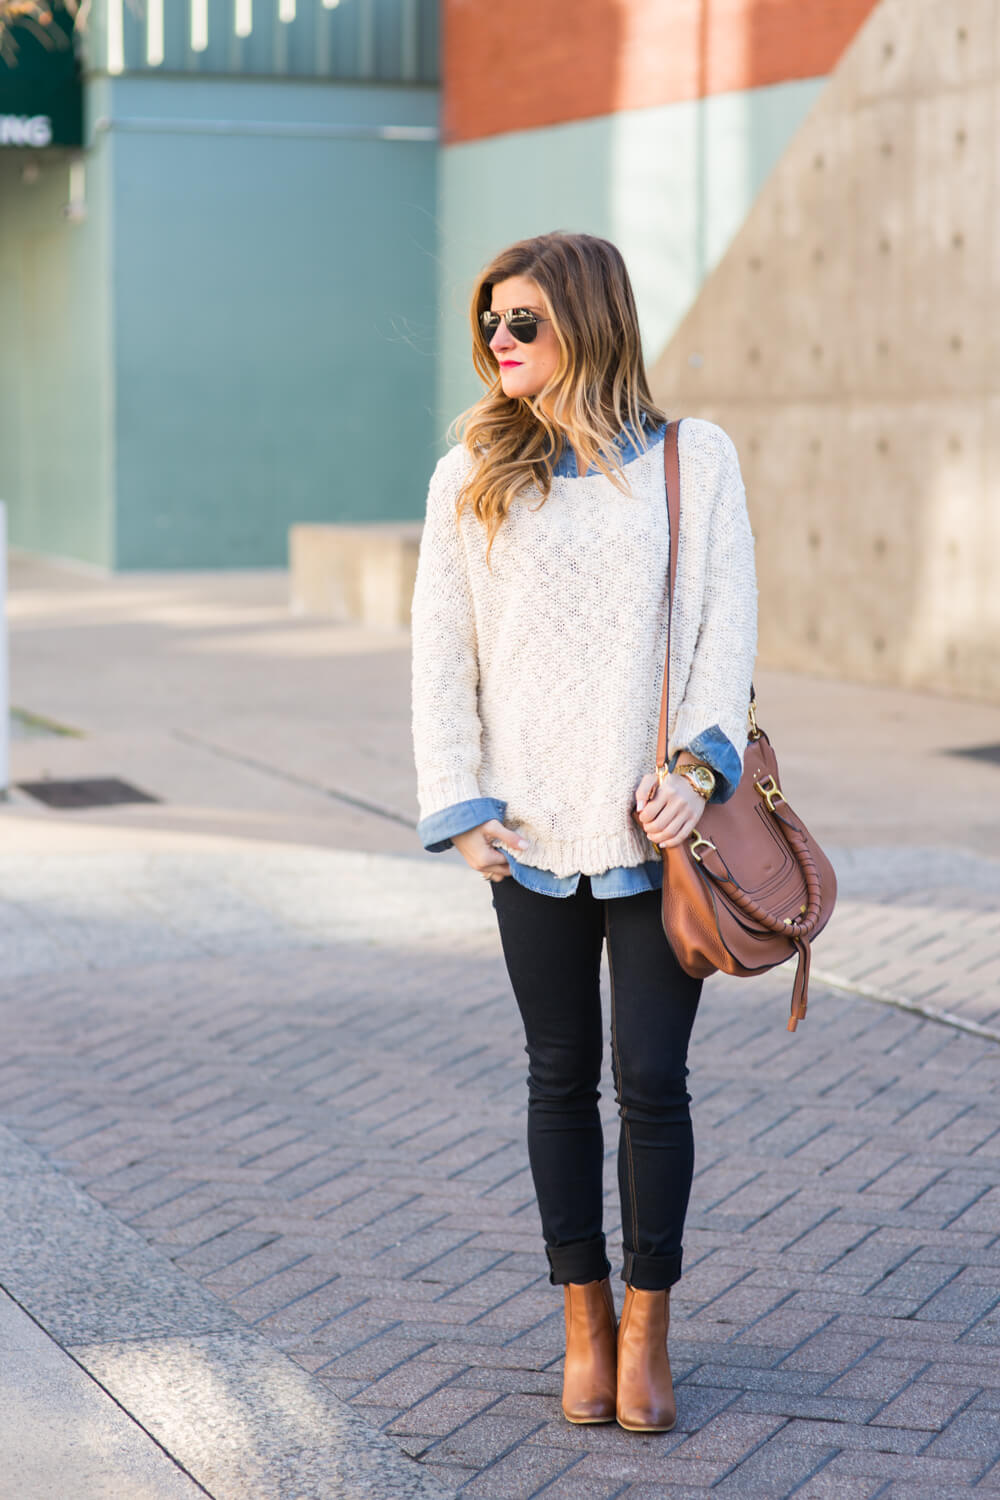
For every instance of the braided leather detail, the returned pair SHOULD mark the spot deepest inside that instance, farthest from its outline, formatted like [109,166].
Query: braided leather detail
[797,927]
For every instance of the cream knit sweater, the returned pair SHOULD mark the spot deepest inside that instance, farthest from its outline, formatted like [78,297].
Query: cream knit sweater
[538,681]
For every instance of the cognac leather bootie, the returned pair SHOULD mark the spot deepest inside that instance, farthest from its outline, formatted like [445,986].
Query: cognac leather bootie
[645,1386]
[589,1383]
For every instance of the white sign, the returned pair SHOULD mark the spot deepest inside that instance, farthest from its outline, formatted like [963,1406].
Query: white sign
[25,130]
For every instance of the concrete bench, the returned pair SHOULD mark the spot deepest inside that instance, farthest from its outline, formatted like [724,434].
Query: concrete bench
[363,574]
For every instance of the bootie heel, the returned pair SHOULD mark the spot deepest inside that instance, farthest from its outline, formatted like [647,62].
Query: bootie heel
[589,1374]
[645,1385]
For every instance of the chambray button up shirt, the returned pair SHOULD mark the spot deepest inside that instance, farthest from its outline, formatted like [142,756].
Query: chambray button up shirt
[437,830]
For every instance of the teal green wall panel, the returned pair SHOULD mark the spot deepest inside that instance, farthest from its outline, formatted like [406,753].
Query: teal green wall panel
[282,103]
[238,331]
[275,300]
[55,388]
[670,185]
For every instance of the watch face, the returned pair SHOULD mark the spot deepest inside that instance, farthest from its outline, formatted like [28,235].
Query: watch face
[703,778]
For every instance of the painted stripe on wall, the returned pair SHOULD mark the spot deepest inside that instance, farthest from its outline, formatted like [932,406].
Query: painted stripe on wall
[530,63]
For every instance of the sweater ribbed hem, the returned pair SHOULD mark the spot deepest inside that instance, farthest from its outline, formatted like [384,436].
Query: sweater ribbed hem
[588,856]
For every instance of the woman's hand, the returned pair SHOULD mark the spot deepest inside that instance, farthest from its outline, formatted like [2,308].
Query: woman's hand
[476,848]
[672,813]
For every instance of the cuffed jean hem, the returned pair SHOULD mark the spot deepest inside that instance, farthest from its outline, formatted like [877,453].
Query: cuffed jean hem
[582,1261]
[651,1273]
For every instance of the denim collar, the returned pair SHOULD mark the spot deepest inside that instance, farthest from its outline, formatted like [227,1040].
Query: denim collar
[627,444]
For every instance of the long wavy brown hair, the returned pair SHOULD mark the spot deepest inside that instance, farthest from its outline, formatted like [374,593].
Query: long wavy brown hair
[598,388]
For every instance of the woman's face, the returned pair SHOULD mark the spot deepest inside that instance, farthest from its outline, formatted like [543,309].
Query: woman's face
[524,368]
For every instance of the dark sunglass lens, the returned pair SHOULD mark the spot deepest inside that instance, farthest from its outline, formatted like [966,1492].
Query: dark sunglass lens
[524,327]
[490,322]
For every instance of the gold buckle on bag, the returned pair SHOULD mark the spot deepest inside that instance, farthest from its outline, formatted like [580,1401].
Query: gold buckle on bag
[697,842]
[770,791]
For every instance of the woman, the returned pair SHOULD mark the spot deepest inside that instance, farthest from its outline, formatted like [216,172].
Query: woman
[539,635]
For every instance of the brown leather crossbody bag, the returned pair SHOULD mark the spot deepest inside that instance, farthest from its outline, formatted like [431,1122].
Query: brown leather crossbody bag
[751,887]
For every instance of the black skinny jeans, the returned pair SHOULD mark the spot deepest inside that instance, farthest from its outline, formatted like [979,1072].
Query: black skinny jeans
[552,949]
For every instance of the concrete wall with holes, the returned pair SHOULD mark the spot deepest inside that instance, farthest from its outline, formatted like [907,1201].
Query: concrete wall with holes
[215,343]
[848,342]
[652,125]
[670,185]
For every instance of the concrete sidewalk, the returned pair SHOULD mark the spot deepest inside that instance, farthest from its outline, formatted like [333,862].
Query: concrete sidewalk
[143,1384]
[247,722]
[56,1422]
[264,1049]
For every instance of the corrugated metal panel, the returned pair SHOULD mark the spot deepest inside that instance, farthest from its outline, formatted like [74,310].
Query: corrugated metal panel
[388,41]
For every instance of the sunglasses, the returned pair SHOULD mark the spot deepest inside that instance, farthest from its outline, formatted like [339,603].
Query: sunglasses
[522,324]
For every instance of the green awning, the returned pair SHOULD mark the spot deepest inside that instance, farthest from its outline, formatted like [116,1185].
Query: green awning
[41,91]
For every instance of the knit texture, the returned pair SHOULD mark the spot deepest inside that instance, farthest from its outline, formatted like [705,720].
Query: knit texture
[538,680]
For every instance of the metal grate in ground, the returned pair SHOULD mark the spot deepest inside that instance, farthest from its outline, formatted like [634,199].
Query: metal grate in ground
[989,753]
[102,791]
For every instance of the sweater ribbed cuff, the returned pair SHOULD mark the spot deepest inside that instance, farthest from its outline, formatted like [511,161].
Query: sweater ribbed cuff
[444,791]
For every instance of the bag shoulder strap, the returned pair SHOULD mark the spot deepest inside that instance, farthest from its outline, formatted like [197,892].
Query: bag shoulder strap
[672,474]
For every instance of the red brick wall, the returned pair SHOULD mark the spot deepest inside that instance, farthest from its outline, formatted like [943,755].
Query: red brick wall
[520,64]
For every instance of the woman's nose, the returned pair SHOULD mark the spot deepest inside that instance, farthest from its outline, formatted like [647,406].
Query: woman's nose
[502,339]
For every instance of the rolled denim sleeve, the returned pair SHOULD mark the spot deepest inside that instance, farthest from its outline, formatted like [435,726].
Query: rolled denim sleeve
[718,751]
[437,830]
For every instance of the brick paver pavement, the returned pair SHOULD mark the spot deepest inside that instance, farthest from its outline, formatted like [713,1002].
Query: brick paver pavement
[324,1125]
[919,928]
[297,1070]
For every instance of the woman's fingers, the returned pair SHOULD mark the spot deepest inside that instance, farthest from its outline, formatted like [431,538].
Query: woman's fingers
[680,837]
[659,798]
[494,861]
[673,813]
[673,823]
[483,857]
[643,790]
[676,831]
[494,829]
[490,858]
[673,810]
[477,848]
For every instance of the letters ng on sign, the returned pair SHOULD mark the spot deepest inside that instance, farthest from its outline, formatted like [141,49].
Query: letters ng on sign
[25,130]
[41,84]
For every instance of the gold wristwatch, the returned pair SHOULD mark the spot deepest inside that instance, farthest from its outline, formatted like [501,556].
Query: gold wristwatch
[702,778]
